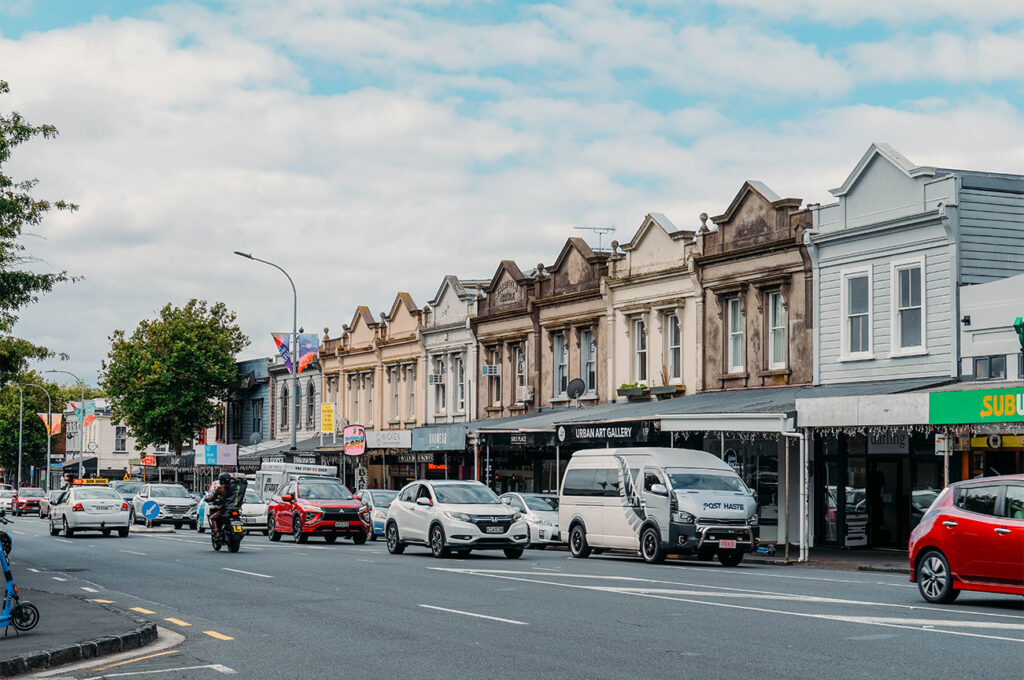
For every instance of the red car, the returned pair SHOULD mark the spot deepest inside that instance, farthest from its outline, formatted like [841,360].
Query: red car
[26,500]
[971,538]
[317,506]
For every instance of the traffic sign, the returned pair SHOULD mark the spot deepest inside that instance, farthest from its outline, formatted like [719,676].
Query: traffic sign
[150,509]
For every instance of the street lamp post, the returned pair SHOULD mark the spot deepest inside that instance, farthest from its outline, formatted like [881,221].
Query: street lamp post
[81,420]
[21,417]
[295,341]
[49,428]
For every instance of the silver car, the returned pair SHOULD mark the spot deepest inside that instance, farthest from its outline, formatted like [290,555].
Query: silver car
[176,505]
[541,513]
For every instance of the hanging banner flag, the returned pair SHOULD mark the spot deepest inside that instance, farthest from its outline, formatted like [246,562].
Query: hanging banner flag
[282,346]
[54,427]
[90,412]
[309,345]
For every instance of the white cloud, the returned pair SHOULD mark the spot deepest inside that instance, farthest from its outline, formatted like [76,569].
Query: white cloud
[846,12]
[984,57]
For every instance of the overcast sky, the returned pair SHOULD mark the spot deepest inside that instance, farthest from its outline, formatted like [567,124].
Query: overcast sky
[371,147]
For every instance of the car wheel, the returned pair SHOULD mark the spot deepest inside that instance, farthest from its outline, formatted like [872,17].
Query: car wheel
[513,553]
[330,538]
[934,580]
[272,532]
[53,529]
[68,531]
[395,546]
[730,558]
[131,515]
[359,539]
[123,532]
[650,546]
[106,532]
[578,542]
[437,547]
[297,531]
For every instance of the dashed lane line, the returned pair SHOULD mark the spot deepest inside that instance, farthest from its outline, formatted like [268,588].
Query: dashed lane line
[34,571]
[479,616]
[58,578]
[248,573]
[89,590]
[96,599]
[133,552]
[177,622]
[142,611]
[219,636]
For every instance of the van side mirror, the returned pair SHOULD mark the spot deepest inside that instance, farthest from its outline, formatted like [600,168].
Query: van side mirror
[659,489]
[423,500]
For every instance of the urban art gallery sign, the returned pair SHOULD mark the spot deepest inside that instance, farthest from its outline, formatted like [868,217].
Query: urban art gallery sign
[976,406]
[641,432]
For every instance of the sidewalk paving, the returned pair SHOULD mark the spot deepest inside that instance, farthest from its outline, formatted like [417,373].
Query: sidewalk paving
[887,561]
[70,629]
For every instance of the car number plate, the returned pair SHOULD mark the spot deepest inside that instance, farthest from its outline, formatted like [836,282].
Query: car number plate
[494,530]
[341,524]
[727,543]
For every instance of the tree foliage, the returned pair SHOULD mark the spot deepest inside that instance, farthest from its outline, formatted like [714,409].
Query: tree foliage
[19,210]
[33,429]
[162,380]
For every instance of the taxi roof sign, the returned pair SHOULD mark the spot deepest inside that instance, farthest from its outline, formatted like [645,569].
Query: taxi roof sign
[94,480]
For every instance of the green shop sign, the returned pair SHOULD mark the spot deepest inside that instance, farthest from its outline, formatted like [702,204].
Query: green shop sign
[976,406]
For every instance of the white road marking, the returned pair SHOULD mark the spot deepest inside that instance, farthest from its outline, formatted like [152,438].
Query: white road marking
[63,540]
[213,666]
[867,620]
[132,552]
[36,571]
[58,578]
[479,616]
[250,573]
[89,590]
[20,533]
[359,559]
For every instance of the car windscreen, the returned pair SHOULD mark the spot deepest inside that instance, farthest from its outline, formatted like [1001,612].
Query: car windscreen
[323,490]
[687,480]
[383,498]
[168,492]
[82,494]
[252,497]
[465,494]
[6,493]
[130,488]
[541,503]
[26,492]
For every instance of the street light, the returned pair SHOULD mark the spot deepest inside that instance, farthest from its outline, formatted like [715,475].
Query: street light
[49,426]
[295,341]
[21,417]
[81,420]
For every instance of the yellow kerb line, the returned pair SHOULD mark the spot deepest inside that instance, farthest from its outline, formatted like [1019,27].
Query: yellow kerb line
[141,658]
[177,622]
[219,636]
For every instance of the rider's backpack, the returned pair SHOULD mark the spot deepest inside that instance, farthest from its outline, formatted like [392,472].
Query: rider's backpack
[235,493]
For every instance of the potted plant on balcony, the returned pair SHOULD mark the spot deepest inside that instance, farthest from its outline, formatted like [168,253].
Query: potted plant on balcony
[634,390]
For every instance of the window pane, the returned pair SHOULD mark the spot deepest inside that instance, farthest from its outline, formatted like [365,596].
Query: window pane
[1014,502]
[858,334]
[980,499]
[778,346]
[981,368]
[910,327]
[736,355]
[857,295]
[735,316]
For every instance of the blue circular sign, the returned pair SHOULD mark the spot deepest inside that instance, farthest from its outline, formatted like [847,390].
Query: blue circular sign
[150,509]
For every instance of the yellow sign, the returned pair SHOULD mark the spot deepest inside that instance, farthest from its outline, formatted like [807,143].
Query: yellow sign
[95,480]
[327,418]
[127,476]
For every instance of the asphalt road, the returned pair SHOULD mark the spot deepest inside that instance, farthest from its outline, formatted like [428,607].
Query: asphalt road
[334,611]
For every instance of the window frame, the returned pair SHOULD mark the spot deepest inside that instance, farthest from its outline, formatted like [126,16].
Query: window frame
[410,379]
[988,374]
[560,361]
[895,329]
[844,330]
[588,360]
[459,376]
[773,327]
[674,344]
[120,439]
[494,384]
[257,414]
[235,416]
[439,366]
[731,365]
[640,348]
[285,407]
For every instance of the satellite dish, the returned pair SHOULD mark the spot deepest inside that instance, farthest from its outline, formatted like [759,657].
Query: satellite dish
[575,390]
[255,438]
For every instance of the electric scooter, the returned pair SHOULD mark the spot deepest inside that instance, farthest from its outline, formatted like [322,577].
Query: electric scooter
[22,615]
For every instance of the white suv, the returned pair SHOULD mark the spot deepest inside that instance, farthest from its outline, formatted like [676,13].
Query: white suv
[454,516]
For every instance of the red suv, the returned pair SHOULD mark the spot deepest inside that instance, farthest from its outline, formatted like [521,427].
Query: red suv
[317,506]
[26,500]
[971,538]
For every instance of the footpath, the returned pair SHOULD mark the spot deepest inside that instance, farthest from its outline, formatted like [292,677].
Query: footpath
[886,561]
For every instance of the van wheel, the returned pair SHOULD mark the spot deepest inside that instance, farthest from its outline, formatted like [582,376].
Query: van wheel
[730,558]
[650,546]
[578,542]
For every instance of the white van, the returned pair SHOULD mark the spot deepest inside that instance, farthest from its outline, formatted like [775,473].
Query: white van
[271,476]
[657,501]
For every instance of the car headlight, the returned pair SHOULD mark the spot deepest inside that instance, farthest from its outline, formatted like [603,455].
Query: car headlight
[516,517]
[683,517]
[538,520]
[379,514]
[752,520]
[459,516]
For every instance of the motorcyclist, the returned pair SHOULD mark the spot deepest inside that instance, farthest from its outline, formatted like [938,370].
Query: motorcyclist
[216,499]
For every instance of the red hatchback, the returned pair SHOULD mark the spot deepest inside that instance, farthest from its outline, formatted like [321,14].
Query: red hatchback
[971,538]
[317,506]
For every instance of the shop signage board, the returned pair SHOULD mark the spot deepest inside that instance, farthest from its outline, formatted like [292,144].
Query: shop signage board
[389,439]
[355,440]
[637,432]
[439,438]
[518,439]
[415,458]
[361,477]
[976,407]
[217,454]
[327,418]
[882,442]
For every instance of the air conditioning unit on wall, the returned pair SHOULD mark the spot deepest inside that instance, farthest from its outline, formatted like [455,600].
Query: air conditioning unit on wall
[435,379]
[524,393]
[490,370]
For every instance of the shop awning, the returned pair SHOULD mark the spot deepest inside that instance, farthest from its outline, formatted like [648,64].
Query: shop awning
[891,402]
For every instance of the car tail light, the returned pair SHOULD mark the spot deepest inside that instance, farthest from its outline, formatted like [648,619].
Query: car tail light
[124,506]
[78,506]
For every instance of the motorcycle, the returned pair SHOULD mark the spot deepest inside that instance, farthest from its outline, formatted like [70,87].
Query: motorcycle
[230,531]
[22,615]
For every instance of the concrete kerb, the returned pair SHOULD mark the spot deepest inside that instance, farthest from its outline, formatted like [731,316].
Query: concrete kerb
[143,634]
[139,529]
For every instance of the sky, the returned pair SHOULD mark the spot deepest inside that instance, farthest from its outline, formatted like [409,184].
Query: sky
[373,147]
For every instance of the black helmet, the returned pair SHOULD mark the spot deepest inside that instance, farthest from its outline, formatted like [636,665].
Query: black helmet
[224,478]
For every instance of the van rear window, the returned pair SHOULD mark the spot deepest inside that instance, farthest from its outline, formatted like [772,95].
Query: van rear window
[584,482]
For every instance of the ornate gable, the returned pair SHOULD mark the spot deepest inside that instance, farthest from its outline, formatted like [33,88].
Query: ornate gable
[577,268]
[509,289]
[756,216]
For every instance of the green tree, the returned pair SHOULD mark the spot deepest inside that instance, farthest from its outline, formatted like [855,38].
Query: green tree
[163,380]
[33,438]
[19,210]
